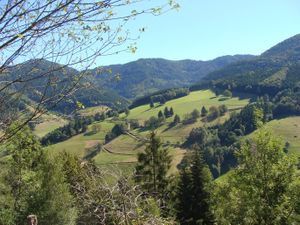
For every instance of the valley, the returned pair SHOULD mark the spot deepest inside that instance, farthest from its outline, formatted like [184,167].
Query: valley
[125,147]
[153,141]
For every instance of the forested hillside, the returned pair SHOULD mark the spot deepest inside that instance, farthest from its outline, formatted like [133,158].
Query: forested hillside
[274,70]
[42,84]
[146,76]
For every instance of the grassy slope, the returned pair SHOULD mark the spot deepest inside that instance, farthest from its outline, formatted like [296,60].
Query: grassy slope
[93,110]
[184,105]
[289,131]
[49,122]
[125,147]
[80,144]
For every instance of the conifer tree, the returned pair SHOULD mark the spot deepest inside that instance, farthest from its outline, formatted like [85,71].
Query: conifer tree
[193,196]
[176,120]
[166,112]
[184,197]
[171,111]
[152,167]
[204,111]
[201,178]
[151,103]
[160,115]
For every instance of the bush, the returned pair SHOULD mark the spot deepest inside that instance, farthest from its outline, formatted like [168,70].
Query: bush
[227,93]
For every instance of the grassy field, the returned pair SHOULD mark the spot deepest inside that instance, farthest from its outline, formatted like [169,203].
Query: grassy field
[124,149]
[184,105]
[80,144]
[288,129]
[48,123]
[90,111]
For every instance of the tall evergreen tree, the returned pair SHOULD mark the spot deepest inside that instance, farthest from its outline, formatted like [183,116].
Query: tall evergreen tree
[171,111]
[166,112]
[201,178]
[176,119]
[184,197]
[194,198]
[160,115]
[204,111]
[152,167]
[151,103]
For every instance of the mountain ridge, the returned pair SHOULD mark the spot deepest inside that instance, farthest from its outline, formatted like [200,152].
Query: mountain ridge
[145,76]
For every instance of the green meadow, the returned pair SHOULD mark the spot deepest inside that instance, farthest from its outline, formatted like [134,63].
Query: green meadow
[288,129]
[184,105]
[124,149]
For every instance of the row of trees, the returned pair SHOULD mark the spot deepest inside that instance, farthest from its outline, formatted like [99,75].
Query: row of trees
[79,124]
[160,97]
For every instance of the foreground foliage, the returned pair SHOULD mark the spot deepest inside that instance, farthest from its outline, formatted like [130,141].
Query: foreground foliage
[263,189]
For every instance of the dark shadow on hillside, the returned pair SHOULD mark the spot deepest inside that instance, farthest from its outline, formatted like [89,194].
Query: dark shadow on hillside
[209,119]
[89,133]
[152,108]
[92,152]
[243,96]
[170,126]
[223,99]
[140,144]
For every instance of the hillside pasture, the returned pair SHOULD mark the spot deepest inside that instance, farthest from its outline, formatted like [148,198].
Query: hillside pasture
[81,143]
[289,130]
[123,150]
[47,123]
[91,111]
[186,104]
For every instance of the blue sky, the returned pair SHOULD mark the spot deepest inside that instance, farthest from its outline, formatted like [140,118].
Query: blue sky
[203,30]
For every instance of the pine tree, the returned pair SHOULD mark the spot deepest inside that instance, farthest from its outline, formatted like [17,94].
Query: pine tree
[204,111]
[160,114]
[152,167]
[193,196]
[184,197]
[151,103]
[201,177]
[171,111]
[176,120]
[166,112]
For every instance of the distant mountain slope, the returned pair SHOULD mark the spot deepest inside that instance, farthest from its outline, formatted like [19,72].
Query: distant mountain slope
[146,76]
[59,80]
[288,50]
[275,69]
